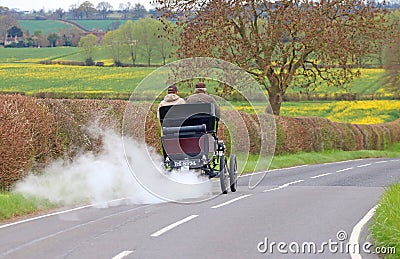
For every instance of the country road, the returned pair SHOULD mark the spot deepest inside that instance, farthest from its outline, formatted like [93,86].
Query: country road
[296,206]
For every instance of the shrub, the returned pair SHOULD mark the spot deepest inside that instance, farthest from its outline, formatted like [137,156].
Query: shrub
[28,137]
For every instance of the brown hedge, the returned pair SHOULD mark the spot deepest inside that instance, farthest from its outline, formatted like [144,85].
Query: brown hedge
[34,131]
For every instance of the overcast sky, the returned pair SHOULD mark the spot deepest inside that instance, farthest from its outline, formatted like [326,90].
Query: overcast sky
[28,5]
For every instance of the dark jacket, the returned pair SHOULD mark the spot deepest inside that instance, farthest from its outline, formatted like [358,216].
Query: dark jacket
[204,98]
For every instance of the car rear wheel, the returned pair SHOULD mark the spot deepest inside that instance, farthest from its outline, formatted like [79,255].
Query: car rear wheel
[223,175]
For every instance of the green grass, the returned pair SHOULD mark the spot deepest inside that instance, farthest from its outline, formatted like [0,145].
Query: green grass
[34,55]
[305,158]
[98,24]
[362,112]
[370,82]
[32,78]
[45,26]
[385,228]
[13,205]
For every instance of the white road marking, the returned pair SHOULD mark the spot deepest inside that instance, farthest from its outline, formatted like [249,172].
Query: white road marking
[25,245]
[355,234]
[173,225]
[341,162]
[320,175]
[43,216]
[230,201]
[54,214]
[122,254]
[346,169]
[299,181]
[380,162]
[283,186]
[279,169]
[359,166]
[274,189]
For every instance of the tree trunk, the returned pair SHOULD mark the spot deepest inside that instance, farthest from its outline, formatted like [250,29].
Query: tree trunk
[275,100]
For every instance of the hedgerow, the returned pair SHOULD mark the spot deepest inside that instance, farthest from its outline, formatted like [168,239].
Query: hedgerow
[34,131]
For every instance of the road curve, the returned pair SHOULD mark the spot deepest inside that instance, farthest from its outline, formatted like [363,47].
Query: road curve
[290,209]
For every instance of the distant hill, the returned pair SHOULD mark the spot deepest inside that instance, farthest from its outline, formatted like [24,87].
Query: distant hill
[45,26]
[104,25]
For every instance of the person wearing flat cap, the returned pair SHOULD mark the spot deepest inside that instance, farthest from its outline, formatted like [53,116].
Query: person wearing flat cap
[200,96]
[172,98]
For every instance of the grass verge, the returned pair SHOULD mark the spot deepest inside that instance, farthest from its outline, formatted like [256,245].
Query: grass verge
[14,205]
[385,228]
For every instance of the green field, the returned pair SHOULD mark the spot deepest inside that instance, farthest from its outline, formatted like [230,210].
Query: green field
[34,55]
[371,81]
[98,24]
[113,82]
[45,26]
[35,78]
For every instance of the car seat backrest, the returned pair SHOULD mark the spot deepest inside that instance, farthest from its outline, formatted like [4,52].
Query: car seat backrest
[189,115]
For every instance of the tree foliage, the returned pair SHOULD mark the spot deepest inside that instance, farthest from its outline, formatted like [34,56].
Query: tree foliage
[113,41]
[87,8]
[392,53]
[142,38]
[88,44]
[281,43]
[129,37]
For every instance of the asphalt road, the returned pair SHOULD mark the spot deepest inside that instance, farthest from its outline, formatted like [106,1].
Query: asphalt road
[290,211]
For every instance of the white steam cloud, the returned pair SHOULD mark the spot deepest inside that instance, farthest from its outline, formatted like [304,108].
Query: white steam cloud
[105,176]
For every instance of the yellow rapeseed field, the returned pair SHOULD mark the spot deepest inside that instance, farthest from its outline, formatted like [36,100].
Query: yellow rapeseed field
[358,112]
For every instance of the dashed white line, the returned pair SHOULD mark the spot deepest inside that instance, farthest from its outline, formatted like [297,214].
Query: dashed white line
[359,166]
[122,254]
[355,234]
[380,162]
[230,201]
[320,175]
[299,181]
[283,186]
[279,169]
[346,169]
[173,225]
[274,189]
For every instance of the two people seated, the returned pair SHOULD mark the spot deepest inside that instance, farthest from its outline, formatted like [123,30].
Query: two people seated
[200,96]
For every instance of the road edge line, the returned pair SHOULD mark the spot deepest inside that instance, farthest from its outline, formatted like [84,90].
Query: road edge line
[355,234]
[55,213]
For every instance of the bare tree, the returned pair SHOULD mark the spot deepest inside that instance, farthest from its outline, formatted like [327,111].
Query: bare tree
[281,43]
[392,54]
[125,9]
[6,22]
[60,12]
[138,11]
[104,9]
